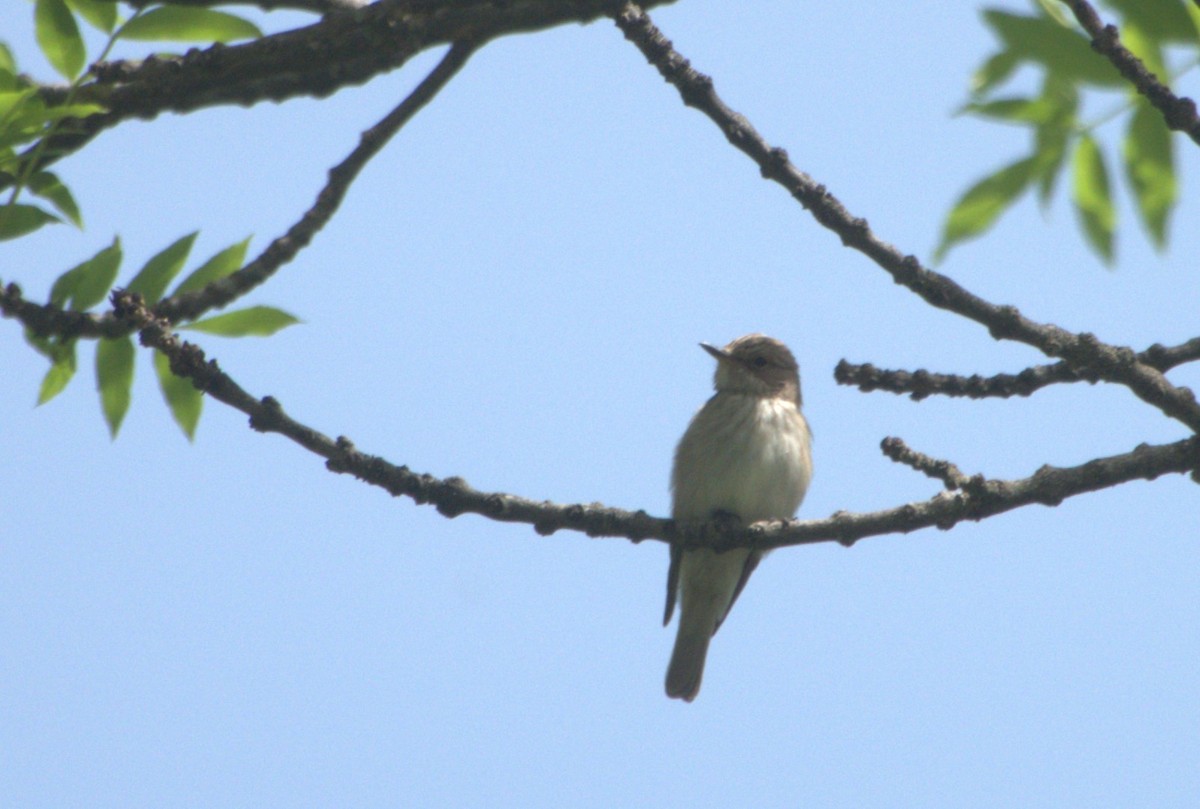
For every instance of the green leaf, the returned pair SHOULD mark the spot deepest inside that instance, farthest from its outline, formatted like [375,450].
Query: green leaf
[1193,12]
[1051,156]
[58,37]
[8,72]
[22,119]
[64,285]
[101,14]
[85,285]
[62,368]
[1150,168]
[258,321]
[1054,10]
[1060,50]
[1016,110]
[1093,198]
[180,395]
[13,100]
[994,71]
[1163,20]
[37,115]
[47,186]
[19,219]
[188,24]
[40,344]
[96,277]
[114,380]
[222,264]
[1053,135]
[983,202]
[152,280]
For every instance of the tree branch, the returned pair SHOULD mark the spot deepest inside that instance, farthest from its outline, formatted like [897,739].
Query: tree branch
[921,383]
[343,49]
[48,319]
[44,320]
[978,499]
[284,248]
[946,472]
[975,498]
[1083,352]
[315,6]
[1179,113]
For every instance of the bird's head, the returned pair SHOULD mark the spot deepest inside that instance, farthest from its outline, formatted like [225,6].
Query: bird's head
[757,365]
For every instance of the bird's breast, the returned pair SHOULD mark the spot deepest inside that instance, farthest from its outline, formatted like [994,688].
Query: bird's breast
[744,454]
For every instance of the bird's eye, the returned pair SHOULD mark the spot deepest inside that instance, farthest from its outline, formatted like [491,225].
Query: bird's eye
[759,362]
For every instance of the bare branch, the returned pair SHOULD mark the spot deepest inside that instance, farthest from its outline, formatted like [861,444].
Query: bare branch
[315,6]
[48,319]
[284,248]
[44,320]
[936,468]
[1179,113]
[921,383]
[1083,352]
[451,496]
[343,49]
[978,499]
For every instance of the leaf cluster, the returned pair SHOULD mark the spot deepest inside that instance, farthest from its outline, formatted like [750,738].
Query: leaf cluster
[89,283]
[28,120]
[1063,139]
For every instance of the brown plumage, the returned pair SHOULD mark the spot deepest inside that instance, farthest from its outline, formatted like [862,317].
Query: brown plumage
[746,453]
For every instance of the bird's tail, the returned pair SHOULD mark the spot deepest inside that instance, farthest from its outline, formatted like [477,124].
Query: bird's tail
[687,659]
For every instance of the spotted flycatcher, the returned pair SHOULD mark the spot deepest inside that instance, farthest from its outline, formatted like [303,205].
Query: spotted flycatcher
[745,455]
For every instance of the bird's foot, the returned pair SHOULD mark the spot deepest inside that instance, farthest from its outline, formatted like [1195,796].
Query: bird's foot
[726,521]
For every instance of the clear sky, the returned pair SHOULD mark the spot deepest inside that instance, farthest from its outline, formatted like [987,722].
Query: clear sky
[513,292]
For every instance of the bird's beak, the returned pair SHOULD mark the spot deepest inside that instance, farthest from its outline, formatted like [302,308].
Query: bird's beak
[718,354]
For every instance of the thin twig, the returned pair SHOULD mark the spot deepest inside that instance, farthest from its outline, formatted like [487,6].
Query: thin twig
[45,320]
[1082,351]
[1179,113]
[936,468]
[284,248]
[50,319]
[921,383]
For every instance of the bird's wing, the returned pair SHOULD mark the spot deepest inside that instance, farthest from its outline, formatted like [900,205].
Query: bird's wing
[751,562]
[672,582]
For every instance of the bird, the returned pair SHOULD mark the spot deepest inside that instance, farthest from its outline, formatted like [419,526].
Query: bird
[746,456]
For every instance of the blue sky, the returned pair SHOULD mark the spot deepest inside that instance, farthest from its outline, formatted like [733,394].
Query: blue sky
[513,292]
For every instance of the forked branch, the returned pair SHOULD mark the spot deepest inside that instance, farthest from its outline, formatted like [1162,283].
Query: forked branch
[976,499]
[1082,352]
